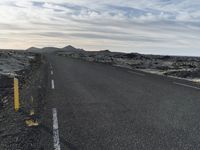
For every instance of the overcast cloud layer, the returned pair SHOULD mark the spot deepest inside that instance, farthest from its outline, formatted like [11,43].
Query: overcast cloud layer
[145,26]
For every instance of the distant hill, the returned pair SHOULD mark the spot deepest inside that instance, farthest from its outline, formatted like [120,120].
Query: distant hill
[34,49]
[68,48]
[105,51]
[50,49]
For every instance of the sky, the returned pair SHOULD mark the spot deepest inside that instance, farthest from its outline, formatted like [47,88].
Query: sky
[170,27]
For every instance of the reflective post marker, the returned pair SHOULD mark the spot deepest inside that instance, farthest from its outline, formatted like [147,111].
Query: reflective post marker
[16,95]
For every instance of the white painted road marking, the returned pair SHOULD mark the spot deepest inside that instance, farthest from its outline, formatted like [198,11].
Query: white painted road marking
[52,84]
[137,73]
[190,86]
[56,140]
[51,72]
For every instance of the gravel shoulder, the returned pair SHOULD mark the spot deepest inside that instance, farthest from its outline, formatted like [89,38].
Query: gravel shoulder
[30,70]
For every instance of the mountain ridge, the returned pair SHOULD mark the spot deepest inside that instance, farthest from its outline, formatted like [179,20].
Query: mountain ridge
[68,48]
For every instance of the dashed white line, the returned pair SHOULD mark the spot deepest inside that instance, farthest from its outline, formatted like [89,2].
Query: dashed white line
[51,72]
[56,140]
[52,84]
[186,85]
[137,73]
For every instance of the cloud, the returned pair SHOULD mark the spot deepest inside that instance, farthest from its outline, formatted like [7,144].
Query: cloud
[147,26]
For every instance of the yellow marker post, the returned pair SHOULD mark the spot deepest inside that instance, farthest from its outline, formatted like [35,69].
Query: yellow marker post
[16,94]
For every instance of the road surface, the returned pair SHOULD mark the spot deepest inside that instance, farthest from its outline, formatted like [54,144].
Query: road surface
[101,107]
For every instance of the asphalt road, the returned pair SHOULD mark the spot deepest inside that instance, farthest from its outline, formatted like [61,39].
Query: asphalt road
[101,107]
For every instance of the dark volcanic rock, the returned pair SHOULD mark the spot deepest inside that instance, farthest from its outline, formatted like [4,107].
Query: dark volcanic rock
[131,55]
